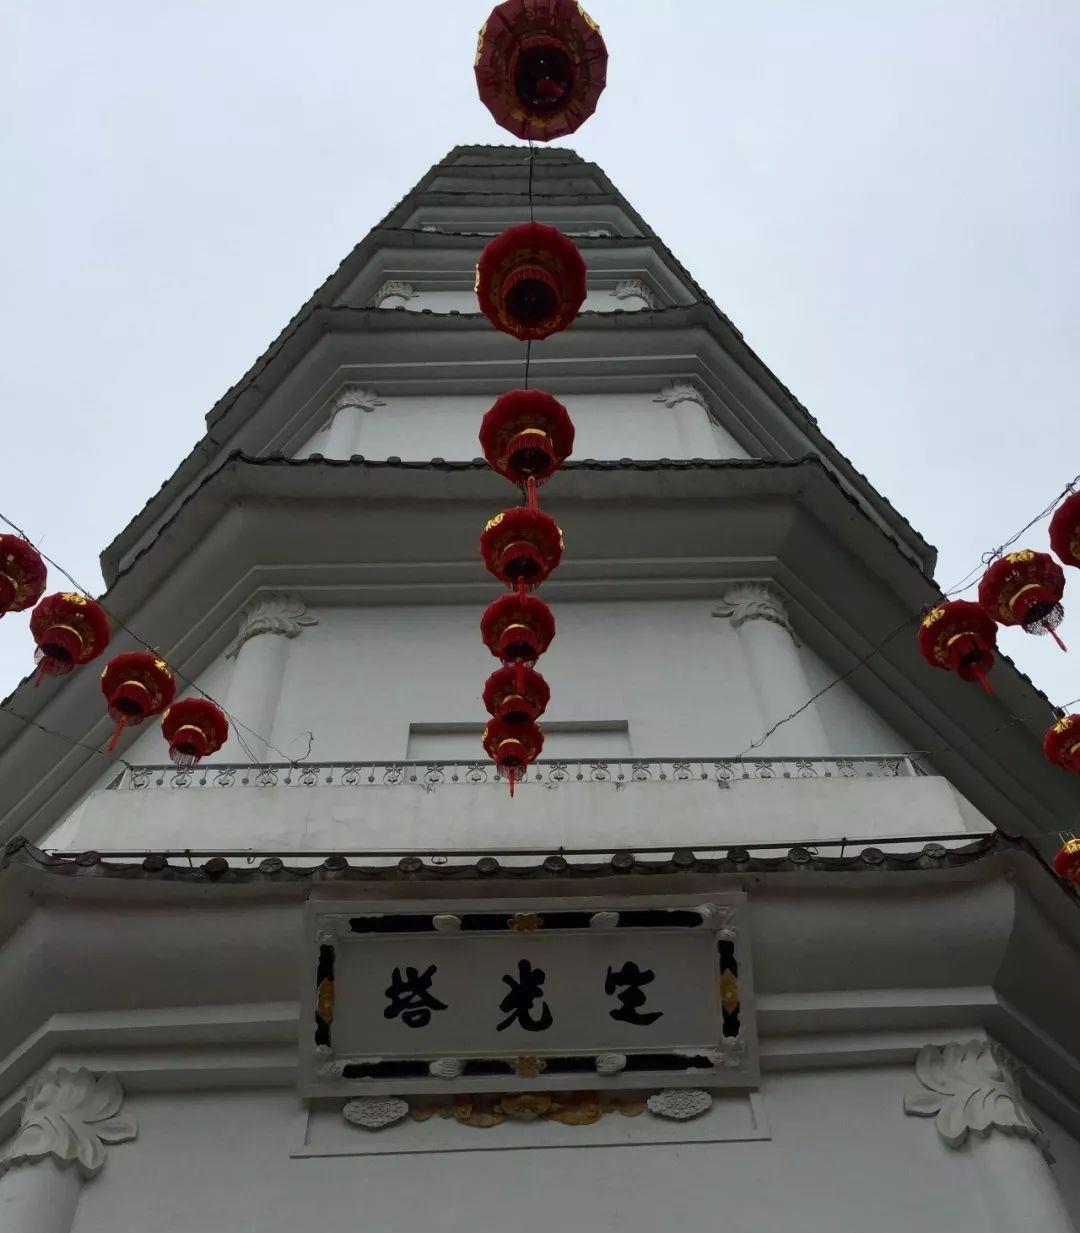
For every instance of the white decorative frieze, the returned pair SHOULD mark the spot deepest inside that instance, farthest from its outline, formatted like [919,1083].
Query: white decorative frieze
[676,392]
[969,1088]
[634,289]
[754,601]
[393,289]
[272,613]
[70,1115]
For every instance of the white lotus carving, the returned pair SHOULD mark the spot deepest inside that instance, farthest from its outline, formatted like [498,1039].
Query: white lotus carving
[375,1112]
[969,1088]
[71,1115]
[679,1104]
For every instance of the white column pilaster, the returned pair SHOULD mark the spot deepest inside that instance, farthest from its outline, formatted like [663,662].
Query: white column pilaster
[697,433]
[970,1090]
[261,648]
[774,660]
[67,1120]
[350,407]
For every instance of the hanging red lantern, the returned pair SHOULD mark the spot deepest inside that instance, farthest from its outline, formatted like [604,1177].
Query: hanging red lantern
[960,637]
[540,67]
[531,281]
[1067,859]
[194,728]
[512,746]
[136,685]
[517,628]
[1062,743]
[506,701]
[1065,530]
[22,574]
[527,434]
[69,630]
[521,546]
[1025,588]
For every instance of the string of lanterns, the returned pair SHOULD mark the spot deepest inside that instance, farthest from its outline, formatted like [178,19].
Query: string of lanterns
[540,68]
[70,630]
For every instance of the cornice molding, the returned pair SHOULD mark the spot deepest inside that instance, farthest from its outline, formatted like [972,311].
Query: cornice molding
[675,392]
[754,601]
[271,613]
[970,1088]
[393,287]
[69,1115]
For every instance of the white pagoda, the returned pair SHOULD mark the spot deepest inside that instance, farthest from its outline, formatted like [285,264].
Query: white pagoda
[769,928]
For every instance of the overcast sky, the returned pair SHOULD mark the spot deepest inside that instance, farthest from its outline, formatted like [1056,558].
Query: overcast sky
[884,197]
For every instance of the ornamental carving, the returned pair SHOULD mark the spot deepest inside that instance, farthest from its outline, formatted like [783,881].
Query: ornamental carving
[270,614]
[634,288]
[754,601]
[374,1112]
[359,397]
[391,289]
[676,392]
[569,1108]
[969,1087]
[679,1104]
[70,1115]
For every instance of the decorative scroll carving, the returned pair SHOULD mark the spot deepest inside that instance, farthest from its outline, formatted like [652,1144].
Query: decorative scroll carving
[969,1087]
[357,396]
[71,1115]
[604,920]
[676,392]
[270,614]
[392,288]
[610,1063]
[634,288]
[752,601]
[446,1068]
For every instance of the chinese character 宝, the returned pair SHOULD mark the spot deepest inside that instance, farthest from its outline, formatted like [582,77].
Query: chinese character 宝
[632,999]
[411,997]
[527,989]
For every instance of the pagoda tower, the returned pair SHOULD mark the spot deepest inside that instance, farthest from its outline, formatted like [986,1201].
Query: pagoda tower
[769,925]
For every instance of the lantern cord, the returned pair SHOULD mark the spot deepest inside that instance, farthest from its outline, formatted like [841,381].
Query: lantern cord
[69,740]
[528,360]
[532,157]
[236,723]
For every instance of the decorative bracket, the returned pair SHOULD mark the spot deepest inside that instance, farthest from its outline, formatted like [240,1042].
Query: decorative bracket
[634,288]
[70,1115]
[676,392]
[391,289]
[271,613]
[752,601]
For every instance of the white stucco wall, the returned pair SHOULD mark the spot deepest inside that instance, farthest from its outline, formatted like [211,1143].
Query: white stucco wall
[629,425]
[843,1158]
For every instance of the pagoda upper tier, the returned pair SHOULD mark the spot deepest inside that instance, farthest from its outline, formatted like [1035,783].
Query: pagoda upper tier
[390,358]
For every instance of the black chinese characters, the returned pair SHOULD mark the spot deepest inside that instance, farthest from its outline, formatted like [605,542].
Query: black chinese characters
[411,997]
[527,989]
[632,1000]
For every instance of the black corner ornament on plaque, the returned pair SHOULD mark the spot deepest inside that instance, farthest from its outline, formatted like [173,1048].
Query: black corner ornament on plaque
[405,996]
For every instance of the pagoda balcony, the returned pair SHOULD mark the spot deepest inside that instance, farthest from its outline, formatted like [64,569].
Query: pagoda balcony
[450,806]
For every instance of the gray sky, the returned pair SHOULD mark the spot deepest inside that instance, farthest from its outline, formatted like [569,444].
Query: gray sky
[884,198]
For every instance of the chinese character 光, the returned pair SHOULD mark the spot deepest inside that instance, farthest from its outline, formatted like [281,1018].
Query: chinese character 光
[528,988]
[632,999]
[411,997]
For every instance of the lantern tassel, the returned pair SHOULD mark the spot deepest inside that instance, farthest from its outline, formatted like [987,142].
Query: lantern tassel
[530,493]
[115,737]
[519,675]
[1054,634]
[511,775]
[980,676]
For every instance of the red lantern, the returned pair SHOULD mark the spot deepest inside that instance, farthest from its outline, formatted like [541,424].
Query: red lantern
[1065,530]
[1025,588]
[194,728]
[1062,743]
[960,637]
[1067,859]
[540,67]
[530,281]
[512,746]
[69,629]
[22,574]
[513,704]
[517,628]
[526,435]
[521,546]
[136,685]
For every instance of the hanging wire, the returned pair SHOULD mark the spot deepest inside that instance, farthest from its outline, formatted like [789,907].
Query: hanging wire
[236,723]
[915,617]
[60,736]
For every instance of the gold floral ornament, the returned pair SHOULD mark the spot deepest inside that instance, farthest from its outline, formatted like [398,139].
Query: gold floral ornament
[324,1000]
[729,992]
[529,1066]
[525,922]
[567,1108]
